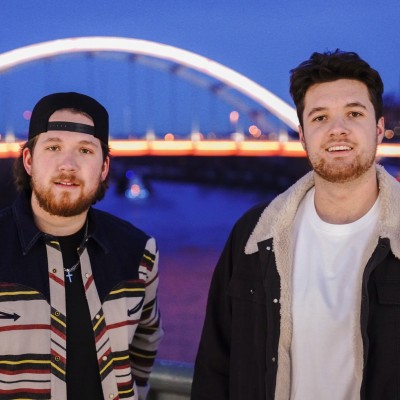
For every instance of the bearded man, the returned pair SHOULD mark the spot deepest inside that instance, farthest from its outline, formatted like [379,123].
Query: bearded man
[78,286]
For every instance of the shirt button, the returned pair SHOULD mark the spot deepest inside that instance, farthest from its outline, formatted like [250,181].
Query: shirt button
[111,395]
[87,275]
[275,300]
[54,270]
[104,358]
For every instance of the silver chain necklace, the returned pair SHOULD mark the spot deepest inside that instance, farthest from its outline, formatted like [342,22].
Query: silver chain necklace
[69,271]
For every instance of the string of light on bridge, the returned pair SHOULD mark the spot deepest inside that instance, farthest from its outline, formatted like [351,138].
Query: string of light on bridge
[132,148]
[169,145]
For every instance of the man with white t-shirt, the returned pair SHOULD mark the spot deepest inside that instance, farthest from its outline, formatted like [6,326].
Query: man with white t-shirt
[304,303]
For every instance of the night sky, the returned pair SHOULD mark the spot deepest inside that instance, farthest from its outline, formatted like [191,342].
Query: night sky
[262,40]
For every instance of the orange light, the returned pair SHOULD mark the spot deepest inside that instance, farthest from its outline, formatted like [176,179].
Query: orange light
[169,136]
[234,117]
[127,147]
[131,148]
[254,131]
[27,115]
[135,189]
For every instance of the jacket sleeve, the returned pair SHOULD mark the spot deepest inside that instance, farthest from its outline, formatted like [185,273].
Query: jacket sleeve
[211,373]
[149,332]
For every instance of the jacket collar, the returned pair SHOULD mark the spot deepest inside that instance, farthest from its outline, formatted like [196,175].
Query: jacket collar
[281,211]
[29,234]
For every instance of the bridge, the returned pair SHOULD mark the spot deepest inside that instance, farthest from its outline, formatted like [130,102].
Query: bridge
[260,123]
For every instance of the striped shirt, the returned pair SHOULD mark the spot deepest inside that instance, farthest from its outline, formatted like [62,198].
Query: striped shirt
[119,269]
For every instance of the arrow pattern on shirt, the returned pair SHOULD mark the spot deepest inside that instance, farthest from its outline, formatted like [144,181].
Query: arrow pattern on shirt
[136,308]
[4,315]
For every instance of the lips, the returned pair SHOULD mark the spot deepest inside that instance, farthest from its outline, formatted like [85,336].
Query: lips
[66,181]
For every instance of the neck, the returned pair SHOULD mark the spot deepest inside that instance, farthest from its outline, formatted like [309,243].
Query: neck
[343,203]
[54,224]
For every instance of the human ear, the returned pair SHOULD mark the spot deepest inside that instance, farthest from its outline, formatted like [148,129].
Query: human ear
[380,129]
[27,160]
[301,137]
[105,168]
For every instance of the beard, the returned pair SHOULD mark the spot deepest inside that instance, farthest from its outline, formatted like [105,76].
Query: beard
[63,205]
[343,172]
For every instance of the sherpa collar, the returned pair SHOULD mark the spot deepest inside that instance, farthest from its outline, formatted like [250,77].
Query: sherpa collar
[281,212]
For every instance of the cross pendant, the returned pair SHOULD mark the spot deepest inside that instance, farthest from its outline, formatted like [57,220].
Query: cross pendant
[69,276]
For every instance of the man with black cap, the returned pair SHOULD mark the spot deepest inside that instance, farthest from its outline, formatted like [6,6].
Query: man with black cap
[79,317]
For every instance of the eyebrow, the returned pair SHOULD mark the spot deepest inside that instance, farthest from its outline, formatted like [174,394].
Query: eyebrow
[348,105]
[315,110]
[356,104]
[59,140]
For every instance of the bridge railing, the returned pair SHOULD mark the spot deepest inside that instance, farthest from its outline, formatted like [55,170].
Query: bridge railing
[171,380]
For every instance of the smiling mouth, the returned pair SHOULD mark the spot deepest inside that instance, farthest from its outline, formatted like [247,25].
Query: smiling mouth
[338,148]
[69,184]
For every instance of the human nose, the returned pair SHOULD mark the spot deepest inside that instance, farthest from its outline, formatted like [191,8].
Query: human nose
[338,127]
[68,162]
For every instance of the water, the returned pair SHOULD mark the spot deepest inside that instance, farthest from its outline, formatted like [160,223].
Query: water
[182,215]
[191,224]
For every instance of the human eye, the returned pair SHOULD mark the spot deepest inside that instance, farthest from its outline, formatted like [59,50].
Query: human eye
[319,118]
[53,148]
[85,150]
[355,114]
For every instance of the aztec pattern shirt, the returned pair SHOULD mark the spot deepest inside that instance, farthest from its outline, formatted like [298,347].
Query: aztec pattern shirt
[119,267]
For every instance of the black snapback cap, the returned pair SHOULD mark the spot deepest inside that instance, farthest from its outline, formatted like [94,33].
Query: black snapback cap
[48,105]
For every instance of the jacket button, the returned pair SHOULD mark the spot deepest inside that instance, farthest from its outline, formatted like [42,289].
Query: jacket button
[275,301]
[57,358]
[57,313]
[97,316]
[104,358]
[273,359]
[87,275]
[268,248]
[252,291]
[111,396]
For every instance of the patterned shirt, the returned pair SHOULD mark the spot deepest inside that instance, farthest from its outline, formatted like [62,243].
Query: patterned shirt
[119,269]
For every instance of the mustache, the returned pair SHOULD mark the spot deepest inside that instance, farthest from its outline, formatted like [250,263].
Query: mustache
[67,177]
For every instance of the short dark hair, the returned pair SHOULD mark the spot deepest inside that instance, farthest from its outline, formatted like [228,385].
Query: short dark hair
[22,179]
[331,66]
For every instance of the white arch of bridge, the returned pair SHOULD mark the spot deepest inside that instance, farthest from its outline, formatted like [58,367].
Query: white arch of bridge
[228,76]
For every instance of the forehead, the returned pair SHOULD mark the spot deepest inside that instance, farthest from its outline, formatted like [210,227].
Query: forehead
[345,91]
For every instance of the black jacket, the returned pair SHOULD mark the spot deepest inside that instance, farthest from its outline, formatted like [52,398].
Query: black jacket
[119,269]
[244,351]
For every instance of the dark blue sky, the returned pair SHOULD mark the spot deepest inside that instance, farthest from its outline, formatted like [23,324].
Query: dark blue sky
[261,39]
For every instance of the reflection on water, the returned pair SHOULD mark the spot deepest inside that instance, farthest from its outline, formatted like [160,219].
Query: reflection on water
[183,215]
[191,224]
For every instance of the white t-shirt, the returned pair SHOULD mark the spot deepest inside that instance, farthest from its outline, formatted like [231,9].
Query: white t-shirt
[327,263]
